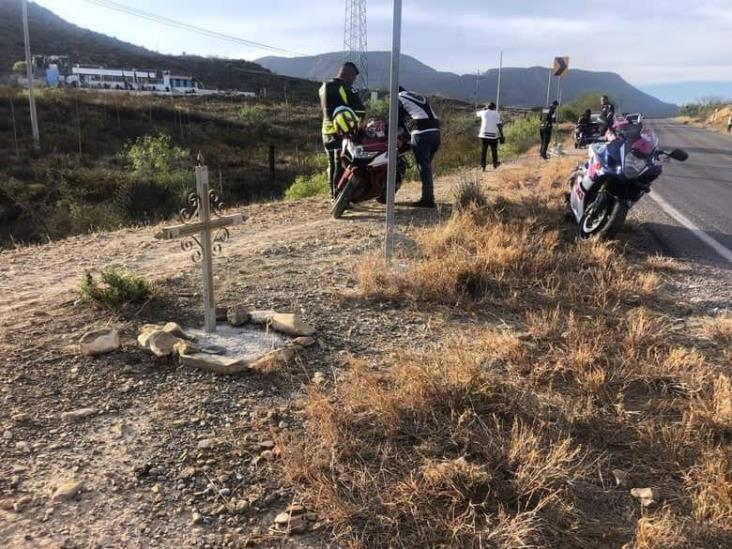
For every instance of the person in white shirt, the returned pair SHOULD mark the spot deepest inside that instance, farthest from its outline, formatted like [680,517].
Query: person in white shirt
[729,125]
[491,132]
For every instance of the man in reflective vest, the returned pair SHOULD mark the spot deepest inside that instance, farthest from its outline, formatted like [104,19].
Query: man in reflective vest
[338,92]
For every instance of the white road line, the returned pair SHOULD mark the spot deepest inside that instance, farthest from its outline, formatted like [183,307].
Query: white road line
[722,250]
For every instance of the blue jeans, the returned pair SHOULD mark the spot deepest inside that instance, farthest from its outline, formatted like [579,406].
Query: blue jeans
[425,146]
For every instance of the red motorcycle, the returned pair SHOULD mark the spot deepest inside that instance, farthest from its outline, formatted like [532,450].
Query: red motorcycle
[365,159]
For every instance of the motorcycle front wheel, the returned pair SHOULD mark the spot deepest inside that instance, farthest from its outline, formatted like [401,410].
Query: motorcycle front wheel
[343,201]
[603,217]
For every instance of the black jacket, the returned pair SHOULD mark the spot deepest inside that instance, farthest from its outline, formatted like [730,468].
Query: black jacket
[333,94]
[548,117]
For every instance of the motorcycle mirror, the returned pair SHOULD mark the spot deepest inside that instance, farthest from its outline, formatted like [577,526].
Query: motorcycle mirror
[678,154]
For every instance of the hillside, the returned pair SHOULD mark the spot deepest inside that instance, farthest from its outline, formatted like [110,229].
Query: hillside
[52,35]
[522,87]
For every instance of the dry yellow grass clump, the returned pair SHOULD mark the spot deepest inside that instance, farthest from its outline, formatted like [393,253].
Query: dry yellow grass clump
[533,431]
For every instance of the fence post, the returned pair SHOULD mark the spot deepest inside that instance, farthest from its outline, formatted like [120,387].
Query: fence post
[15,129]
[271,156]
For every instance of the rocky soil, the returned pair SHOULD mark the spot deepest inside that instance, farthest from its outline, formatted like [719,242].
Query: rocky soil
[125,450]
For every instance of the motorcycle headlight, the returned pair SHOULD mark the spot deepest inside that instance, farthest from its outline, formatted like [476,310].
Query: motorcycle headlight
[361,153]
[634,166]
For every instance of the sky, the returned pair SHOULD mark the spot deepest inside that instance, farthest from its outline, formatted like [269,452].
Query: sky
[651,43]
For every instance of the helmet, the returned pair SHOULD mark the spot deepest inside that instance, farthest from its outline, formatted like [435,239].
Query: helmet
[345,122]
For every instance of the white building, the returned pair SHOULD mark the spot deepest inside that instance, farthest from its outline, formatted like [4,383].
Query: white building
[133,80]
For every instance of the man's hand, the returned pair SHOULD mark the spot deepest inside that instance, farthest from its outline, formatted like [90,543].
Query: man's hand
[502,140]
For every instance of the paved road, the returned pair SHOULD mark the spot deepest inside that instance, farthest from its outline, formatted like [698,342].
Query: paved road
[690,207]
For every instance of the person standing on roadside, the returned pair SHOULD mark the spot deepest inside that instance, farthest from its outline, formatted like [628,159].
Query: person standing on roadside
[729,125]
[491,132]
[338,92]
[607,112]
[416,114]
[548,118]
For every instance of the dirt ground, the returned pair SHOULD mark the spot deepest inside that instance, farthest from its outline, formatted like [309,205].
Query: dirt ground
[145,479]
[172,457]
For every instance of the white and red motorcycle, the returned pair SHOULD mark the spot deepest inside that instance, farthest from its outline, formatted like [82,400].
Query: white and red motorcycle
[618,172]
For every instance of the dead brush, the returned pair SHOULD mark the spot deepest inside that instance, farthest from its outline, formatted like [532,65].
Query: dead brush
[469,195]
[506,437]
[436,452]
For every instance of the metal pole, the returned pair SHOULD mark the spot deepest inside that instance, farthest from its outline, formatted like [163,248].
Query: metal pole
[549,86]
[204,213]
[475,89]
[393,123]
[498,91]
[29,72]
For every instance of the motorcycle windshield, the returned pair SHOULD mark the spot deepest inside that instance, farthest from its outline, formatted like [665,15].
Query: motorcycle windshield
[611,154]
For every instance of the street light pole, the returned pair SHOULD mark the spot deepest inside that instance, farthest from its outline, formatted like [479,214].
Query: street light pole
[29,72]
[393,129]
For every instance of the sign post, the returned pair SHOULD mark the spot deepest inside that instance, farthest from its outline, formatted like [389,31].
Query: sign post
[393,123]
[206,233]
[559,70]
[498,91]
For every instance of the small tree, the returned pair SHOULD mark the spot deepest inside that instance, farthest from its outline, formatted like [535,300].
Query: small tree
[20,67]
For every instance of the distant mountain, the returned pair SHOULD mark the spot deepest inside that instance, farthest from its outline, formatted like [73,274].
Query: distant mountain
[521,87]
[52,35]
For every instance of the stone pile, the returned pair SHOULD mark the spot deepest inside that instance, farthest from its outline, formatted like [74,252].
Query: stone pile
[170,340]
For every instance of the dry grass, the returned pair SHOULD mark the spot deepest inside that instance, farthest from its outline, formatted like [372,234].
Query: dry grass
[507,435]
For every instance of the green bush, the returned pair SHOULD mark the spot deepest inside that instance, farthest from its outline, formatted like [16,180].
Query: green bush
[114,289]
[520,135]
[154,154]
[253,114]
[308,185]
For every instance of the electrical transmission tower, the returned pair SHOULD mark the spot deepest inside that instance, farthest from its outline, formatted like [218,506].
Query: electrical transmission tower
[355,42]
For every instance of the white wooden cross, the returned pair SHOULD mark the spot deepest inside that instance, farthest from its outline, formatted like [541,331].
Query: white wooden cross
[207,233]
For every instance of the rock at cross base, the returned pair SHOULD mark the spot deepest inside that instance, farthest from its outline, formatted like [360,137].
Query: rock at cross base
[273,361]
[99,342]
[238,315]
[214,363]
[261,317]
[162,343]
[173,328]
[290,325]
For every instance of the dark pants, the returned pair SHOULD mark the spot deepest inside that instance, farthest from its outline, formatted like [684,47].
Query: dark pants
[493,144]
[546,137]
[335,168]
[425,146]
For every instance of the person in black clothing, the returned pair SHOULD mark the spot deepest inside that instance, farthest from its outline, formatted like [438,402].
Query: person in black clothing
[417,116]
[548,118]
[338,92]
[607,113]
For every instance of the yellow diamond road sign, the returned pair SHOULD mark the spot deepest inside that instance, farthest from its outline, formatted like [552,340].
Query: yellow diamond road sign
[561,66]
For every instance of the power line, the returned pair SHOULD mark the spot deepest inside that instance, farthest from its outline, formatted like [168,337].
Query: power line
[185,26]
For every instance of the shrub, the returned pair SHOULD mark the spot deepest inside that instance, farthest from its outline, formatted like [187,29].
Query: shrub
[253,114]
[470,195]
[154,154]
[114,289]
[308,185]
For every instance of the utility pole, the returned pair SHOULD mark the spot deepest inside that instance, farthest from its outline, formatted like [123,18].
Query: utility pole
[498,91]
[355,38]
[396,50]
[29,72]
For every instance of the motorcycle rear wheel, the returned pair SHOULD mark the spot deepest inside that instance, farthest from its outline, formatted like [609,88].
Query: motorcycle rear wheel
[343,200]
[603,218]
